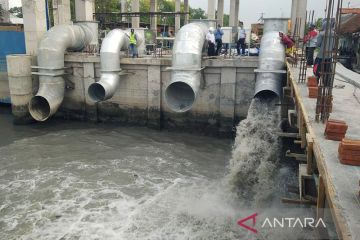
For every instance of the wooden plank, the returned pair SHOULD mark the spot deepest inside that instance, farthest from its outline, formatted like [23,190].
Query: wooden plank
[339,220]
[309,153]
[320,199]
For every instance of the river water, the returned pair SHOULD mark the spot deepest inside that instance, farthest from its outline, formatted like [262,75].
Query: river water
[73,180]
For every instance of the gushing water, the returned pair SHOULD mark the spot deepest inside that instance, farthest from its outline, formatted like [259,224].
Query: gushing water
[256,151]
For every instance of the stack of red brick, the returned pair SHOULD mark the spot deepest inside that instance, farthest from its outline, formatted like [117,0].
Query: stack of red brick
[349,152]
[312,87]
[335,129]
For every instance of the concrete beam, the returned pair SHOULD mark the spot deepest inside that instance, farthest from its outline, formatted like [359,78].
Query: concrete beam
[153,21]
[34,14]
[61,11]
[186,9]
[84,10]
[227,98]
[177,17]
[220,12]
[234,13]
[135,7]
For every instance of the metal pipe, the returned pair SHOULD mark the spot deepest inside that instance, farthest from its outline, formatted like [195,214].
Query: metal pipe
[112,44]
[271,59]
[51,66]
[183,88]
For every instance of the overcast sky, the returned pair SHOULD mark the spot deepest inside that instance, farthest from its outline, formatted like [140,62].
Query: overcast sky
[250,10]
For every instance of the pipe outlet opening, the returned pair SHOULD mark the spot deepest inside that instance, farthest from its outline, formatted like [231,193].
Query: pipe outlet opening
[39,108]
[266,94]
[179,96]
[97,92]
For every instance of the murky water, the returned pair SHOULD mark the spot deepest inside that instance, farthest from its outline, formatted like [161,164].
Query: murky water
[81,181]
[72,180]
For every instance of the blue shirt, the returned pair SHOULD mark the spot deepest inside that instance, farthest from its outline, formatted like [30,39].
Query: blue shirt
[218,33]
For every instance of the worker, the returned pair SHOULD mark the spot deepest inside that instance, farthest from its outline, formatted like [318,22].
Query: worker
[289,46]
[133,43]
[218,39]
[310,42]
[210,38]
[241,42]
[323,61]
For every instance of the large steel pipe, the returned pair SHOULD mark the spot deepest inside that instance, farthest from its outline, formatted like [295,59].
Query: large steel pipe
[51,66]
[112,44]
[271,59]
[183,88]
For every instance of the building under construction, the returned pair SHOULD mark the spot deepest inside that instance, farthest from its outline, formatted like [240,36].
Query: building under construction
[75,70]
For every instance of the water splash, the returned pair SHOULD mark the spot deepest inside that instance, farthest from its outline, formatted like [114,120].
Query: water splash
[256,152]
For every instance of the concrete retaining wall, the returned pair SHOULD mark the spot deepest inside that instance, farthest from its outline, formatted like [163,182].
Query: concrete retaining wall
[224,98]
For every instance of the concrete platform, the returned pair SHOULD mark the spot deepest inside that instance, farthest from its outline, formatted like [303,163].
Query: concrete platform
[341,181]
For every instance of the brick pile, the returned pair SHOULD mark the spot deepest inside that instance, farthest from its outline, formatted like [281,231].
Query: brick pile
[335,130]
[312,86]
[349,152]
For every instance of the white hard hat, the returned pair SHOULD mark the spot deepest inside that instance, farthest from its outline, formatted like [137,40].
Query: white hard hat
[211,29]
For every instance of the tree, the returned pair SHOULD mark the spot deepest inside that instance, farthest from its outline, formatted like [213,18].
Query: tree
[17,11]
[197,13]
[226,20]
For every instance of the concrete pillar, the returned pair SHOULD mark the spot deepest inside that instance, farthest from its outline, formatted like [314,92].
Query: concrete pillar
[90,105]
[135,7]
[298,10]
[153,21]
[237,5]
[234,13]
[34,14]
[227,99]
[123,5]
[220,12]
[177,17]
[211,10]
[61,11]
[5,14]
[20,85]
[84,10]
[154,96]
[186,9]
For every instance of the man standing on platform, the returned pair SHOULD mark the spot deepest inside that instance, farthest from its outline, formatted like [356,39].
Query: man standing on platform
[218,38]
[241,42]
[310,41]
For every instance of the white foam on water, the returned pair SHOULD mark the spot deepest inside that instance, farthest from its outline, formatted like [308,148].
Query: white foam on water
[255,153]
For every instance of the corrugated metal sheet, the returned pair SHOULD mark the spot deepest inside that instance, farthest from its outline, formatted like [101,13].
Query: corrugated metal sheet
[11,42]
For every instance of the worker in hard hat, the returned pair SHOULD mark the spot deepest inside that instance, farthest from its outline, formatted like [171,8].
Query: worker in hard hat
[133,44]
[210,38]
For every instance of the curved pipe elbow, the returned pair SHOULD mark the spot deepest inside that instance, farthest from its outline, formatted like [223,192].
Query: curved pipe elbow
[105,88]
[183,88]
[51,68]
